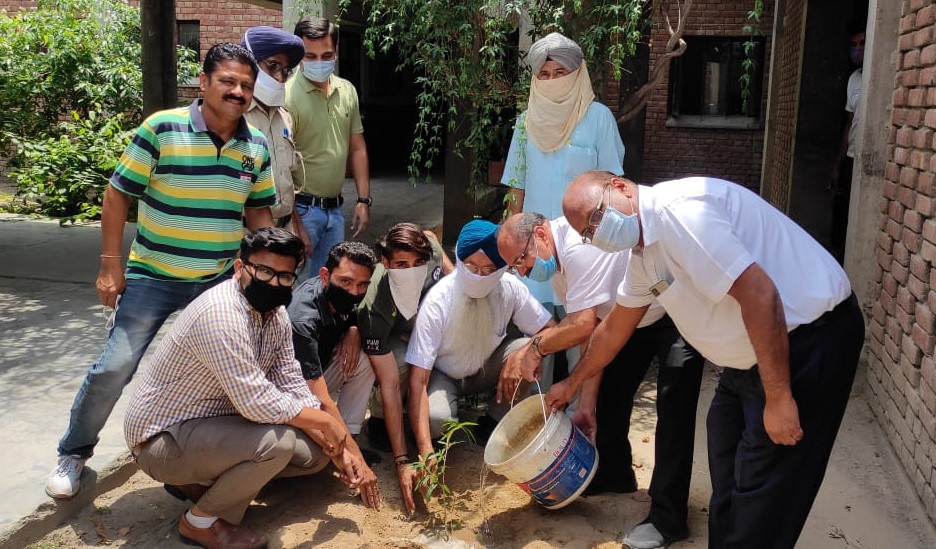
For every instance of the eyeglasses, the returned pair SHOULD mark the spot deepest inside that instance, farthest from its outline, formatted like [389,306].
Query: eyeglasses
[595,218]
[277,68]
[518,263]
[266,274]
[483,271]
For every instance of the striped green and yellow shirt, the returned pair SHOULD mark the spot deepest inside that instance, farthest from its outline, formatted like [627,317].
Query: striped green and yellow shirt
[193,189]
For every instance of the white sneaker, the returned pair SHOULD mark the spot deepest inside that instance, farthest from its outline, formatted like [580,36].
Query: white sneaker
[65,478]
[644,536]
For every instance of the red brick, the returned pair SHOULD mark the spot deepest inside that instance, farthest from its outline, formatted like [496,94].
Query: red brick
[905,137]
[927,77]
[931,97]
[919,267]
[924,204]
[898,118]
[901,155]
[923,36]
[907,24]
[928,251]
[909,78]
[912,241]
[922,138]
[899,97]
[910,59]
[929,230]
[905,320]
[923,340]
[905,42]
[902,258]
[926,183]
[913,221]
[920,159]
[917,288]
[908,177]
[914,116]
[925,317]
[885,243]
[930,118]
[900,271]
[926,16]
[889,284]
[916,98]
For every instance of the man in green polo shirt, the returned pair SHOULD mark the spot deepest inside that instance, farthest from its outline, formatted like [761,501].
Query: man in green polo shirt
[411,262]
[329,135]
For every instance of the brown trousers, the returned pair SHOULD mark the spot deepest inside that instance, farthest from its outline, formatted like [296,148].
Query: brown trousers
[236,456]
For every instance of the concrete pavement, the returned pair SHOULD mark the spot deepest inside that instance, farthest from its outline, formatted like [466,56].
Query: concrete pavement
[52,329]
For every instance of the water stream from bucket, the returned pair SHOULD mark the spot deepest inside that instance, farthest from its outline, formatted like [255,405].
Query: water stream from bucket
[486,529]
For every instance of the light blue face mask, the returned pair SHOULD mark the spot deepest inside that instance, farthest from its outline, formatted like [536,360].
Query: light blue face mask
[616,231]
[543,270]
[318,71]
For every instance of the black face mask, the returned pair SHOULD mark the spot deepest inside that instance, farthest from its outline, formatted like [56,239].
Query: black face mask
[264,297]
[341,299]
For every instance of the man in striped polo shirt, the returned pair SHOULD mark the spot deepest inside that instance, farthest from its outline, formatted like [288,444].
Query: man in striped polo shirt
[197,172]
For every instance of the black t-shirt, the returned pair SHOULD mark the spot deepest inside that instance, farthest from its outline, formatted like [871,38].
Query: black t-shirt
[316,329]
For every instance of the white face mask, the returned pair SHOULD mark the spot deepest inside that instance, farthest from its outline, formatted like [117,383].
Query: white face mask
[318,71]
[268,91]
[406,286]
[476,286]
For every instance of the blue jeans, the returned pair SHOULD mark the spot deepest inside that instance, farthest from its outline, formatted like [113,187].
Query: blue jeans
[325,228]
[144,306]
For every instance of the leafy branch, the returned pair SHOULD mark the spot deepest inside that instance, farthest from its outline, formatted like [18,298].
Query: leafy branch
[750,48]
[432,469]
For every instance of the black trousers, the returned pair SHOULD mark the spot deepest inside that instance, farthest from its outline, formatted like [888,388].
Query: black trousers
[762,492]
[680,376]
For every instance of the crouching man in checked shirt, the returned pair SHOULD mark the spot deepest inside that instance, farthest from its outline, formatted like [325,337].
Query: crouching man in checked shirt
[224,409]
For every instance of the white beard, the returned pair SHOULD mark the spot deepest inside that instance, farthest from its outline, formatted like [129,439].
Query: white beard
[472,328]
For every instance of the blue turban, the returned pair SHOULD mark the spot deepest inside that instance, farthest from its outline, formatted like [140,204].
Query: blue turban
[479,234]
[266,41]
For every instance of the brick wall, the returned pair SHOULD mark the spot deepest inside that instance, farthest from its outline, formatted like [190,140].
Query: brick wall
[787,68]
[732,154]
[13,6]
[902,368]
[224,21]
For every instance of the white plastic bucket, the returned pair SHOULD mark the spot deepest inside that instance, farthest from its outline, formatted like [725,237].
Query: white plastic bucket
[553,463]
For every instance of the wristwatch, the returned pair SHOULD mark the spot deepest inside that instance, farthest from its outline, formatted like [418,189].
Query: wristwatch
[535,344]
[366,200]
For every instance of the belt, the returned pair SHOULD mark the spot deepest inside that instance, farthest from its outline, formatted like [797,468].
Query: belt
[829,316]
[319,201]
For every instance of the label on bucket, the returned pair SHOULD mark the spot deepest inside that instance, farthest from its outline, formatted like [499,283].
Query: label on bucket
[566,474]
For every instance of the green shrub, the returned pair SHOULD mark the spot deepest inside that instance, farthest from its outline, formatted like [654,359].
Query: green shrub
[67,174]
[71,89]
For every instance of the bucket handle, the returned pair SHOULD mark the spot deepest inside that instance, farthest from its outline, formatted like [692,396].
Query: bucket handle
[542,399]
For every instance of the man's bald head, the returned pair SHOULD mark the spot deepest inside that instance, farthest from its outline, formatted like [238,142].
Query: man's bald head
[515,233]
[583,195]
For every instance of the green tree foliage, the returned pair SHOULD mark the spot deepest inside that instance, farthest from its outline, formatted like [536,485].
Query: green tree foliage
[465,57]
[71,90]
